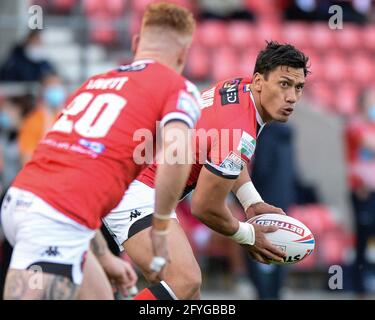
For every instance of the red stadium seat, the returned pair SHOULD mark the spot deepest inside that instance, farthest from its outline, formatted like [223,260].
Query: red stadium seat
[240,34]
[64,5]
[198,65]
[321,37]
[92,7]
[267,32]
[349,38]
[333,246]
[101,29]
[368,36]
[296,33]
[115,7]
[225,64]
[346,99]
[315,64]
[322,93]
[212,34]
[336,67]
[140,5]
[247,62]
[362,68]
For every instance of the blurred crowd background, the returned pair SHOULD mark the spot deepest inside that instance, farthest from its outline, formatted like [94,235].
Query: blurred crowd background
[320,167]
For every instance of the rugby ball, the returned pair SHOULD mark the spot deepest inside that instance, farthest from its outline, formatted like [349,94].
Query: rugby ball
[292,237]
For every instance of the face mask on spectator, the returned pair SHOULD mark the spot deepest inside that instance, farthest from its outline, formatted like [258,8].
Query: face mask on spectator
[371,113]
[35,53]
[5,121]
[54,96]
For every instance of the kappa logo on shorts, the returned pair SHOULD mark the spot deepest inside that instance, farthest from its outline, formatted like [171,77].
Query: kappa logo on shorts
[51,252]
[134,214]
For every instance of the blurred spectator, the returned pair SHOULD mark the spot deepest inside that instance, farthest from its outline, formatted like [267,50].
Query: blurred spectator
[361,164]
[225,10]
[27,61]
[11,114]
[12,110]
[274,176]
[37,123]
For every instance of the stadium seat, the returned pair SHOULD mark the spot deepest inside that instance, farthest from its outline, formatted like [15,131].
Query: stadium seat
[240,34]
[333,246]
[267,31]
[198,65]
[247,61]
[368,36]
[321,37]
[346,99]
[101,29]
[336,68]
[91,7]
[115,7]
[64,6]
[140,5]
[322,93]
[212,34]
[225,64]
[349,38]
[362,68]
[315,64]
[296,33]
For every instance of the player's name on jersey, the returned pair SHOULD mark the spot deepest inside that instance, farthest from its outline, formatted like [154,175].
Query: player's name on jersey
[116,83]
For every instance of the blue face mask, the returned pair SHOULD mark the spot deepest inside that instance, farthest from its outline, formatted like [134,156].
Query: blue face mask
[54,96]
[371,113]
[5,121]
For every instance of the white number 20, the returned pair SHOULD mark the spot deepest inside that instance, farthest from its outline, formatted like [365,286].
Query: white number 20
[100,114]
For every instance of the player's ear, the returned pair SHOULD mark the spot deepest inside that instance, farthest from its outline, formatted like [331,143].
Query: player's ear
[257,81]
[135,43]
[182,57]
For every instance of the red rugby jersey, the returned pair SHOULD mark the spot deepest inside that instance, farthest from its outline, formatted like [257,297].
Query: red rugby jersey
[85,162]
[225,135]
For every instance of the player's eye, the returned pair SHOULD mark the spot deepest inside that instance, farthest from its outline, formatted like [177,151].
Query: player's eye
[299,88]
[284,84]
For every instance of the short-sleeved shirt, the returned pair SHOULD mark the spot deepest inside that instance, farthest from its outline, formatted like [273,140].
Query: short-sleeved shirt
[87,160]
[225,135]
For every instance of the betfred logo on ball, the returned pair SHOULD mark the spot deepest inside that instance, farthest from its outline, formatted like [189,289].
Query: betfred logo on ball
[282,225]
[293,237]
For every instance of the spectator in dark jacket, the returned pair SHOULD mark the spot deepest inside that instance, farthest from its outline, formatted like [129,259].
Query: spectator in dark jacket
[26,61]
[274,176]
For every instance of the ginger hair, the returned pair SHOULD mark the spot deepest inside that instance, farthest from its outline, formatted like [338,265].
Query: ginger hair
[168,16]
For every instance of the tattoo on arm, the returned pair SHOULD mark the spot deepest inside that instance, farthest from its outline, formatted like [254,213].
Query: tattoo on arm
[98,244]
[60,288]
[54,287]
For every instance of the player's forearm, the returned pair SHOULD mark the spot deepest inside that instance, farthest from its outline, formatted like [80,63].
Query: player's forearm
[217,217]
[173,171]
[170,183]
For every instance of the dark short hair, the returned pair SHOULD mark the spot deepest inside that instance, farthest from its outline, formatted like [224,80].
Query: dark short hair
[276,54]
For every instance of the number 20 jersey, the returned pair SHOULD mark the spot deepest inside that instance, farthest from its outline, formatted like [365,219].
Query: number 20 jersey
[85,163]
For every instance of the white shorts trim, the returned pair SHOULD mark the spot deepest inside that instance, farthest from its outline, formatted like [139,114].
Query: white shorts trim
[40,233]
[132,213]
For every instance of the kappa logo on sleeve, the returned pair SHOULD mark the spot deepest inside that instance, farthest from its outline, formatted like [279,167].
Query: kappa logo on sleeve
[247,145]
[229,92]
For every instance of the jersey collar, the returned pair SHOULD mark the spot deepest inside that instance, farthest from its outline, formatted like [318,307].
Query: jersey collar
[260,122]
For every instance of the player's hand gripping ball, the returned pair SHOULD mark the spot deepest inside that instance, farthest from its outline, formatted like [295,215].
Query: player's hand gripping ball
[292,237]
